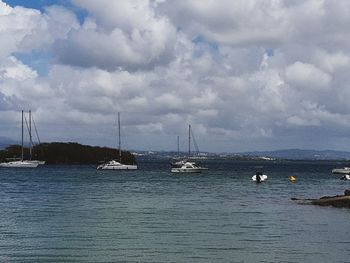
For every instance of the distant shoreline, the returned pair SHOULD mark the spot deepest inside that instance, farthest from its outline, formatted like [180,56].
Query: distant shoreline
[70,153]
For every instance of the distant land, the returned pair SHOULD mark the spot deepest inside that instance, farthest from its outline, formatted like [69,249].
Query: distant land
[298,154]
[67,153]
[289,154]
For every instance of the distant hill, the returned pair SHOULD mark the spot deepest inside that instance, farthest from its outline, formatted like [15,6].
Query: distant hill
[298,154]
[68,153]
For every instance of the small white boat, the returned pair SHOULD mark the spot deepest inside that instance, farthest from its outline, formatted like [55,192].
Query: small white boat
[345,170]
[345,177]
[263,177]
[188,167]
[20,164]
[114,165]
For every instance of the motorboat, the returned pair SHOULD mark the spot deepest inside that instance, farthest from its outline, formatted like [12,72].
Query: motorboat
[259,177]
[345,170]
[117,165]
[114,165]
[20,164]
[188,167]
[345,177]
[178,163]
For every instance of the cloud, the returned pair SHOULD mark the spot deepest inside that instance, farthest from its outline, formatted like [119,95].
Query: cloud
[232,22]
[307,76]
[246,74]
[119,34]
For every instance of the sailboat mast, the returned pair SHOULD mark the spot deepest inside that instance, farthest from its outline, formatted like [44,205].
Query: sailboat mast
[30,135]
[189,140]
[178,145]
[120,151]
[22,137]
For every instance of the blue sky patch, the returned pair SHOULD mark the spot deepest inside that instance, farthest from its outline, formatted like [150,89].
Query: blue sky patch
[42,4]
[37,60]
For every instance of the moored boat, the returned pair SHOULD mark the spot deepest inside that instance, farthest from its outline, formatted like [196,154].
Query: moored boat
[113,164]
[263,177]
[345,177]
[188,167]
[20,164]
[345,170]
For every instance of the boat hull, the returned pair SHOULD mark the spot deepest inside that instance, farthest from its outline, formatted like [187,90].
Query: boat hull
[345,177]
[263,178]
[341,171]
[20,164]
[188,170]
[119,167]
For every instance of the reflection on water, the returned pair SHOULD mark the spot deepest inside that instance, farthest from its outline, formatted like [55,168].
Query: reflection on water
[78,214]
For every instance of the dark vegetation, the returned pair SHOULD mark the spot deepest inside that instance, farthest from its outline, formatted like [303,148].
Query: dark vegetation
[68,153]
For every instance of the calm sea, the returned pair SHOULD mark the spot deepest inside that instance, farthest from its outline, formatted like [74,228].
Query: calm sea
[79,214]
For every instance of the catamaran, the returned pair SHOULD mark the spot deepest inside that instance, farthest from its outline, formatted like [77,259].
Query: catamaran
[113,164]
[186,166]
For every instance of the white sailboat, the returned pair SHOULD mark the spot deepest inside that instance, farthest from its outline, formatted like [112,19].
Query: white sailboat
[19,164]
[31,141]
[185,166]
[23,163]
[113,164]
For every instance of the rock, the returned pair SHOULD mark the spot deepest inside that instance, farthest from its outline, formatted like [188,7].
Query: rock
[342,201]
[336,201]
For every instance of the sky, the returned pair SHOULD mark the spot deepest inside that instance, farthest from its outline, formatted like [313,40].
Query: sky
[247,75]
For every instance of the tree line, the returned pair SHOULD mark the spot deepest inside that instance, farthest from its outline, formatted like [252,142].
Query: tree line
[67,153]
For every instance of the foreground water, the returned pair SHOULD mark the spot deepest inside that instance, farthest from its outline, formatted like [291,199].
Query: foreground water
[78,214]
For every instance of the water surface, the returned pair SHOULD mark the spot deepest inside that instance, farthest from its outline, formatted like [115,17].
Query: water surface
[79,214]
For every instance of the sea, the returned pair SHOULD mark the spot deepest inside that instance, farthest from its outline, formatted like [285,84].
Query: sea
[80,214]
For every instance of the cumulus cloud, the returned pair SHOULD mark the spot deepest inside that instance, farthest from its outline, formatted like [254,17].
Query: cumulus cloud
[307,76]
[119,34]
[246,74]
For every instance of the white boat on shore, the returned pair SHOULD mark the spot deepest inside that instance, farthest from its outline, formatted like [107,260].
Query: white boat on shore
[113,164]
[188,167]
